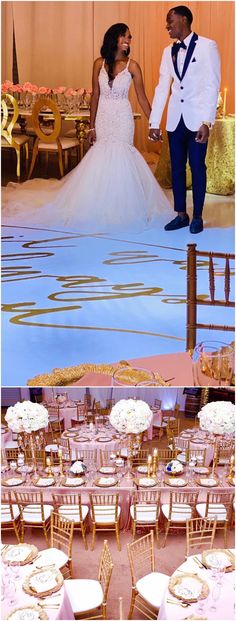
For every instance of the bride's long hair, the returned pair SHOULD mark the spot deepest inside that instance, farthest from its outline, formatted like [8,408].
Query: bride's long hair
[109,46]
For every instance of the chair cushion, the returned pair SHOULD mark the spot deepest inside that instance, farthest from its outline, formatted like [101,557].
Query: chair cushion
[186,512]
[52,556]
[144,513]
[101,518]
[152,587]
[84,594]
[5,515]
[51,447]
[66,143]
[11,444]
[159,425]
[217,511]
[19,139]
[166,418]
[68,512]
[36,517]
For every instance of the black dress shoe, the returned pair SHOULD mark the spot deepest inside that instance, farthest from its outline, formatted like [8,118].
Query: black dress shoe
[177,223]
[196,225]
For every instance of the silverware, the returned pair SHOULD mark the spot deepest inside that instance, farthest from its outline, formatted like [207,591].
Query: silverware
[178,603]
[194,573]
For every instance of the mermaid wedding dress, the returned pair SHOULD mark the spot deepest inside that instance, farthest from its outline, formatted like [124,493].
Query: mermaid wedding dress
[111,189]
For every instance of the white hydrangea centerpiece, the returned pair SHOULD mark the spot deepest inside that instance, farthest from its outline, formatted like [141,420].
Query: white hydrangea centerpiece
[130,416]
[218,417]
[26,417]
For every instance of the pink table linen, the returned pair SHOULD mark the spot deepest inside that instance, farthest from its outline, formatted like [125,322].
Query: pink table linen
[209,446]
[93,443]
[224,605]
[177,366]
[64,611]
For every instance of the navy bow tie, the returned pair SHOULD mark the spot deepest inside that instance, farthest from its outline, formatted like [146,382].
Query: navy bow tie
[177,46]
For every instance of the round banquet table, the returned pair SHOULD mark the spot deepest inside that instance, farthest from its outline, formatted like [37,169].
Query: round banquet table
[201,445]
[93,441]
[224,605]
[64,611]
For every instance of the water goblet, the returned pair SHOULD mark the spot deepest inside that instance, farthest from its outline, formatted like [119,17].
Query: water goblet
[13,466]
[215,595]
[10,592]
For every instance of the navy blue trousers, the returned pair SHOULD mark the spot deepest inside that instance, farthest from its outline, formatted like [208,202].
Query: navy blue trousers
[183,147]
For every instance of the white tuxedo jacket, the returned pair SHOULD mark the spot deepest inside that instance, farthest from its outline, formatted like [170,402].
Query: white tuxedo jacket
[194,93]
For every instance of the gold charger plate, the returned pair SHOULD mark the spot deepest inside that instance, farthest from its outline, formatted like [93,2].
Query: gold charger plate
[107,470]
[98,482]
[104,439]
[70,434]
[82,439]
[53,571]
[33,552]
[175,581]
[37,481]
[205,483]
[41,612]
[201,470]
[173,482]
[146,482]
[78,481]
[142,469]
[17,481]
[227,553]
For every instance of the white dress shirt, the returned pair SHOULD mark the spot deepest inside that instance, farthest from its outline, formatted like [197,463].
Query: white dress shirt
[182,53]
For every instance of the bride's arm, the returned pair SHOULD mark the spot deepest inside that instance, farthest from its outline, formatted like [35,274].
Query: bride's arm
[139,87]
[94,99]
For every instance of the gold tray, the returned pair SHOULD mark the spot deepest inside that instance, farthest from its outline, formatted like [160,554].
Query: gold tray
[5,481]
[97,482]
[104,439]
[33,552]
[172,482]
[175,580]
[41,612]
[227,553]
[110,470]
[59,578]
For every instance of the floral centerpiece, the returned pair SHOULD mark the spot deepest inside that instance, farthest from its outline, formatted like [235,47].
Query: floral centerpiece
[130,416]
[78,467]
[218,417]
[174,467]
[26,417]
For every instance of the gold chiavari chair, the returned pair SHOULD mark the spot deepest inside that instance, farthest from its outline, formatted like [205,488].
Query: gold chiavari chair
[199,532]
[198,455]
[223,456]
[88,598]
[174,426]
[81,415]
[181,507]
[70,506]
[11,454]
[110,403]
[50,142]
[140,458]
[106,457]
[60,550]
[157,404]
[148,586]
[9,140]
[10,516]
[145,510]
[165,455]
[218,506]
[56,419]
[87,400]
[171,438]
[88,456]
[34,513]
[182,445]
[66,449]
[39,457]
[171,415]
[105,514]
[193,299]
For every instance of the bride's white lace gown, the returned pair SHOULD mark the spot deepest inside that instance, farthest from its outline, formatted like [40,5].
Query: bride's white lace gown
[112,188]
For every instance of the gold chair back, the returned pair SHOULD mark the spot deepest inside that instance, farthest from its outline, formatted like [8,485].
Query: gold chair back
[8,119]
[141,557]
[193,299]
[7,508]
[105,570]
[199,532]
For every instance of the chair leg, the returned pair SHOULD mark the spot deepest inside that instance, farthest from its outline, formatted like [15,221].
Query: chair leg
[45,534]
[104,611]
[166,533]
[60,161]
[34,157]
[225,534]
[118,537]
[132,603]
[134,529]
[93,537]
[70,567]
[83,531]
[18,164]
[66,160]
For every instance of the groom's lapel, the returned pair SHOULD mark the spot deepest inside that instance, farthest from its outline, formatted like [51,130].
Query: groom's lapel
[189,54]
[174,59]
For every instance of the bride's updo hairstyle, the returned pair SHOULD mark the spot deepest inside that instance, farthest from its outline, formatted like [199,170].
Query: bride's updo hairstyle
[109,46]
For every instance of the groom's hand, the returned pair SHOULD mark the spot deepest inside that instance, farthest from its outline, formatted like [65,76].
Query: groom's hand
[155,135]
[202,134]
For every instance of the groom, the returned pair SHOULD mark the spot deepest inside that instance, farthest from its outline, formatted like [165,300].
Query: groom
[192,68]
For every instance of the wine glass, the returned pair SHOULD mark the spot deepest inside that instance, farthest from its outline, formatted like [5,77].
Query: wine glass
[213,363]
[215,595]
[13,466]
[10,591]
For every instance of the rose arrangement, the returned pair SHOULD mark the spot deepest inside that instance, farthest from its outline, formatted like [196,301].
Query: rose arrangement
[26,417]
[9,87]
[78,467]
[218,417]
[174,467]
[130,416]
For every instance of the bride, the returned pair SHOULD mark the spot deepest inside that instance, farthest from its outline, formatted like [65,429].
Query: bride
[112,188]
